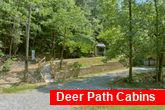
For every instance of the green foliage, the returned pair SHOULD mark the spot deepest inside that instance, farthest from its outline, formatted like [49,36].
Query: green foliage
[116,30]
[76,69]
[70,25]
[78,25]
[104,60]
[138,60]
[53,23]
[76,65]
[117,42]
[1,53]
[7,65]
[14,58]
[126,80]
[21,87]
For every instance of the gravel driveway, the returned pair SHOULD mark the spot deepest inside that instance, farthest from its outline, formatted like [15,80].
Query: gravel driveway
[39,99]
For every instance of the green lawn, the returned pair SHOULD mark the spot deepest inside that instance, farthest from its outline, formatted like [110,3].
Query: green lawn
[21,87]
[86,62]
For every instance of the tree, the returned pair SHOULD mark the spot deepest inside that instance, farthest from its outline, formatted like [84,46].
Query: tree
[69,23]
[27,39]
[115,32]
[130,40]
[159,39]
[10,22]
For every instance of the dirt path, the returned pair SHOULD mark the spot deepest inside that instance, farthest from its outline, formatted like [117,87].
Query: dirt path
[39,99]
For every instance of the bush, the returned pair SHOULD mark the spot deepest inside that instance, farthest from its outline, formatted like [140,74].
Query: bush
[104,60]
[7,65]
[126,80]
[138,61]
[76,69]
[14,59]
[124,62]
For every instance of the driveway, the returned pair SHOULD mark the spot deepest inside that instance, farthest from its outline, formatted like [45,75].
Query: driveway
[39,99]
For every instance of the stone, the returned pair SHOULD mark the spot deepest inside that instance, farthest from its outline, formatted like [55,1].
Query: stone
[33,77]
[46,69]
[46,73]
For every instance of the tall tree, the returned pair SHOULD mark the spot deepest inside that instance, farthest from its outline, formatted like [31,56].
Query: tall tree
[70,25]
[10,25]
[27,39]
[130,40]
[159,48]
[114,31]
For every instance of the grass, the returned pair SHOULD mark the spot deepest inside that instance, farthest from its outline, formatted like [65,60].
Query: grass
[87,62]
[119,108]
[138,85]
[21,87]
[140,81]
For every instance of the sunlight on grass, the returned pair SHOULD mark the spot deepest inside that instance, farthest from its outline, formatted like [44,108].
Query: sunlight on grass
[22,87]
[86,62]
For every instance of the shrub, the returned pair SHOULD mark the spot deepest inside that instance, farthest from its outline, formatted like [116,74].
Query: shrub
[14,59]
[126,80]
[7,65]
[104,60]
[124,62]
[76,69]
[138,60]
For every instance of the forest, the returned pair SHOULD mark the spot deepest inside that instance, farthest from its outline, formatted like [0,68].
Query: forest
[132,30]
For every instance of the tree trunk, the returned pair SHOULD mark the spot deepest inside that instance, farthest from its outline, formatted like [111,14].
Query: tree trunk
[157,67]
[95,48]
[62,53]
[15,52]
[63,47]
[53,46]
[34,42]
[160,66]
[11,43]
[157,44]
[130,42]
[149,62]
[5,45]
[27,40]
[95,51]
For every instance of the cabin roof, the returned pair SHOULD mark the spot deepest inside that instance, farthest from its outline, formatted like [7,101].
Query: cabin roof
[100,45]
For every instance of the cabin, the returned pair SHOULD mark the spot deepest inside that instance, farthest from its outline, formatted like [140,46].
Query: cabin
[152,61]
[100,49]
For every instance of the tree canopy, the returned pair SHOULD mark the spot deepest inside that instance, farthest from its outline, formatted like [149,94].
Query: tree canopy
[132,30]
